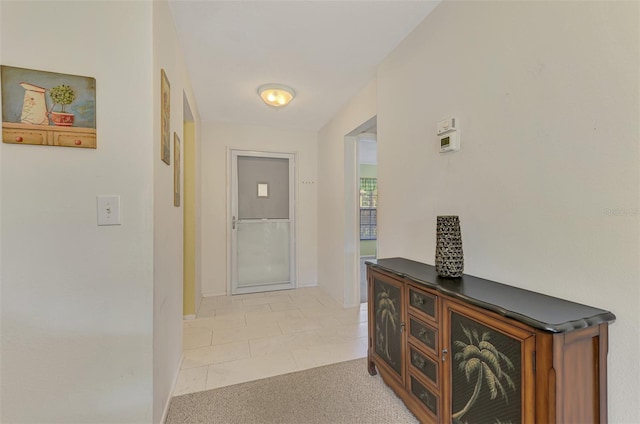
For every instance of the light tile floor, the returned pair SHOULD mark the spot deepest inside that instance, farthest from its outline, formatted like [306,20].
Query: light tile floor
[248,337]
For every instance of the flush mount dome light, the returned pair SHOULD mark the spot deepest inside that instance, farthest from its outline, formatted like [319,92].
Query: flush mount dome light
[276,95]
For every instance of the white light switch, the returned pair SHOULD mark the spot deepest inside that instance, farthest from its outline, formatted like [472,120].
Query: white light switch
[108,210]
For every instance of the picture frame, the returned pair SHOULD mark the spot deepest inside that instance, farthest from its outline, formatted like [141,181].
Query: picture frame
[165,118]
[48,108]
[176,170]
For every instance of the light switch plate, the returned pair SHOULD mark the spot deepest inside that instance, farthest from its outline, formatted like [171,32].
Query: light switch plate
[108,210]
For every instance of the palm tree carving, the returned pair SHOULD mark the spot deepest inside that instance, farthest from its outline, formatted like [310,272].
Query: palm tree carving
[481,357]
[386,316]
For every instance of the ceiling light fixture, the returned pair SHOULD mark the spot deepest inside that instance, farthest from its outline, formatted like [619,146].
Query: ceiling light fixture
[276,95]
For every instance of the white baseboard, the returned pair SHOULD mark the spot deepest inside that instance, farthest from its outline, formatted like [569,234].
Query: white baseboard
[189,317]
[173,386]
[300,285]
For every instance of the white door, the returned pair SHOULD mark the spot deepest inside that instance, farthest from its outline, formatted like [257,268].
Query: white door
[262,223]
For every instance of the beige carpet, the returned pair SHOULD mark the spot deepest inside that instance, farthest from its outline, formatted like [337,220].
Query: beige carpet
[338,393]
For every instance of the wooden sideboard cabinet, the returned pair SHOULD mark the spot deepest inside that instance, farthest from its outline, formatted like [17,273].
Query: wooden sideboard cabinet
[48,135]
[470,350]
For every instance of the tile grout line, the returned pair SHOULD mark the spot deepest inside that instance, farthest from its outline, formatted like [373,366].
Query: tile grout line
[206,378]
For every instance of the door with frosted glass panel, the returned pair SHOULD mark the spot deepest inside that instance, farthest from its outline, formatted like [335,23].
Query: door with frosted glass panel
[262,222]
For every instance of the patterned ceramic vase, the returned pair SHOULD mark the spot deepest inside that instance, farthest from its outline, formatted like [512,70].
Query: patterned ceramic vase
[449,258]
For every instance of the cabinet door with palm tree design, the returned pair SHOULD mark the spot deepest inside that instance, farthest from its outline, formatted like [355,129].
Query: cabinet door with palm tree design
[388,325]
[490,368]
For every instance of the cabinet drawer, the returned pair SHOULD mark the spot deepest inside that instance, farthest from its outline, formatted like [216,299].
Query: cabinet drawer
[425,396]
[424,365]
[423,303]
[424,335]
[74,140]
[24,136]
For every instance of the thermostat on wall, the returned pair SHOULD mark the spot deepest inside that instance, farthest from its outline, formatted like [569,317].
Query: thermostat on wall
[446,125]
[448,135]
[450,142]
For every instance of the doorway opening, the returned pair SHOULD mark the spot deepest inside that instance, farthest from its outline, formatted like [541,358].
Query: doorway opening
[191,291]
[367,204]
[360,209]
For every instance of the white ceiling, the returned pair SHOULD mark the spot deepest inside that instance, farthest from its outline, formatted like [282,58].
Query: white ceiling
[326,50]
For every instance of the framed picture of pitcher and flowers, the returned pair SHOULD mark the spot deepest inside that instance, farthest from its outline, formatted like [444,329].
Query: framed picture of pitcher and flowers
[48,108]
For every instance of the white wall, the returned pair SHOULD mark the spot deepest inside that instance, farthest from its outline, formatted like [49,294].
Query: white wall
[77,305]
[217,138]
[331,189]
[168,219]
[1,273]
[547,98]
[198,213]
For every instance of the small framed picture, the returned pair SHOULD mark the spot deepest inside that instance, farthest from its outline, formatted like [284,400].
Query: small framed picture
[165,118]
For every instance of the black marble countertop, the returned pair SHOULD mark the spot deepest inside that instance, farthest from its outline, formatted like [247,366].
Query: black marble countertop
[537,310]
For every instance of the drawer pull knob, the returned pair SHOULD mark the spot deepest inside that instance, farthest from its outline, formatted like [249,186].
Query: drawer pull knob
[19,139]
[78,142]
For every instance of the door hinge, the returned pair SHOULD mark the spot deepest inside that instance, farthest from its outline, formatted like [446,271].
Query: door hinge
[534,361]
